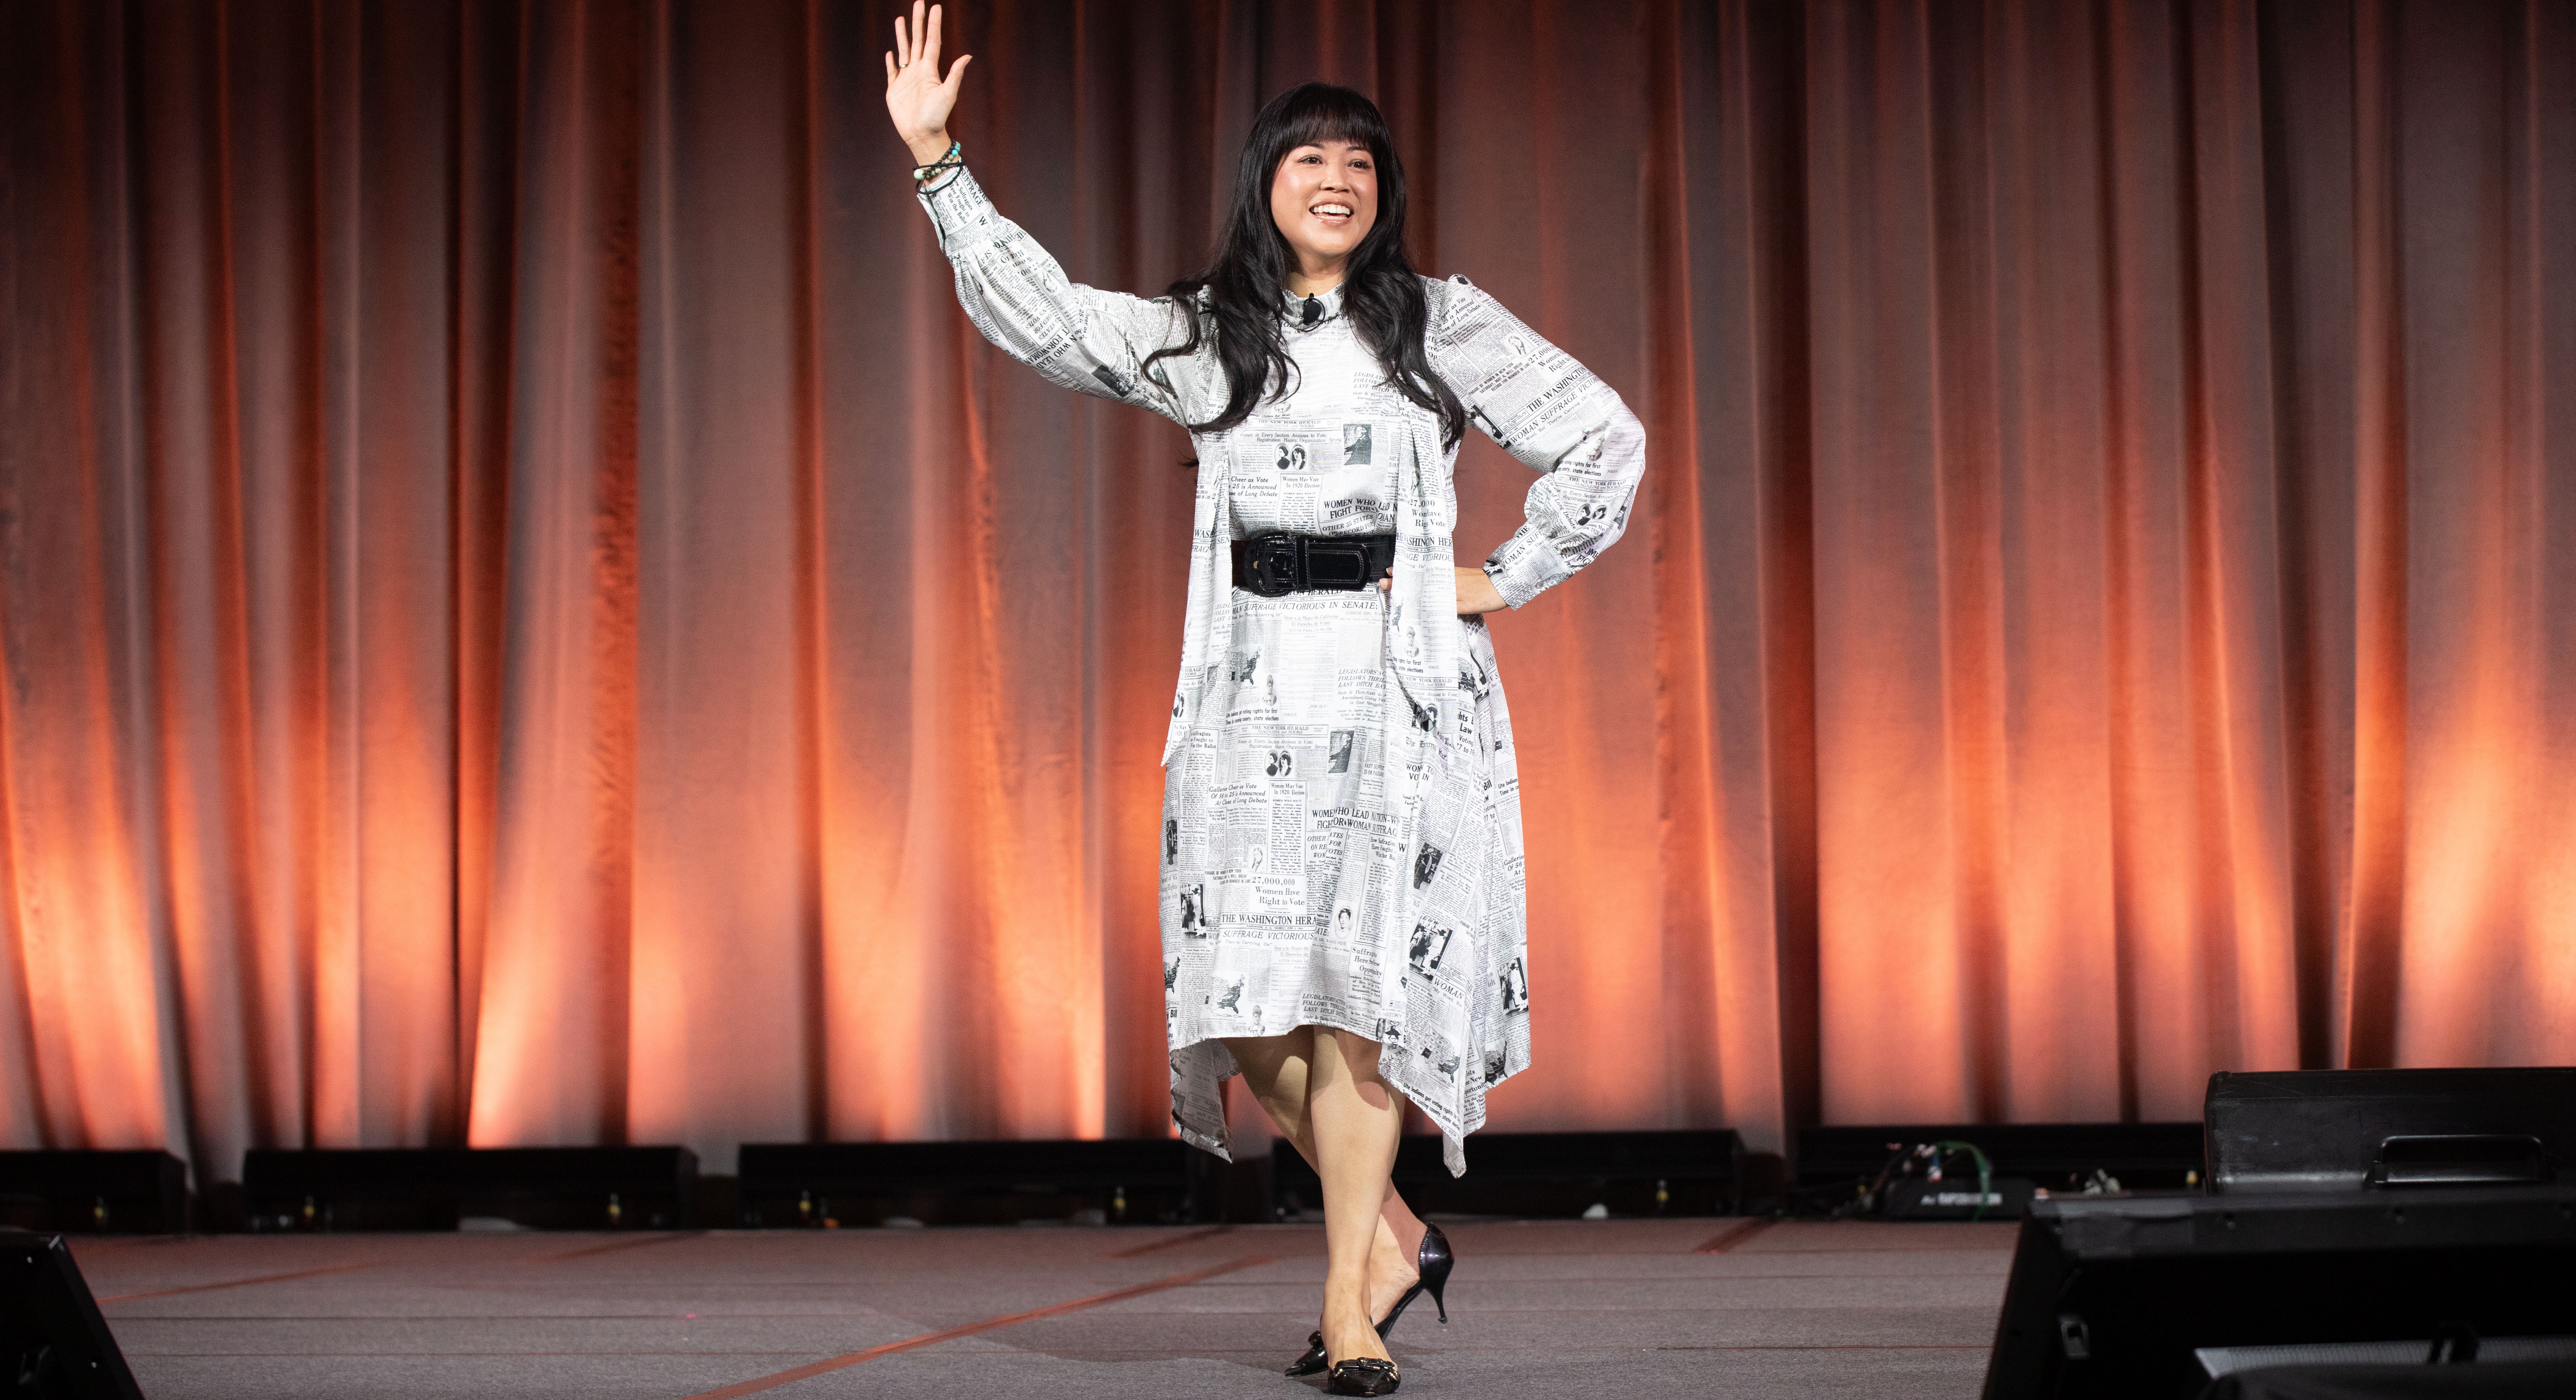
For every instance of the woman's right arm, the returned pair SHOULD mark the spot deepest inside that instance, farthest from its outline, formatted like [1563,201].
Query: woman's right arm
[1079,337]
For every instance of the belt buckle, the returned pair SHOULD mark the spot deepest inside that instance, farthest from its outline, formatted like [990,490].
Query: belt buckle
[1338,566]
[1276,568]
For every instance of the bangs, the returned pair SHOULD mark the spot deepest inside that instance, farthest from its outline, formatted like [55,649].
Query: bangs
[1314,114]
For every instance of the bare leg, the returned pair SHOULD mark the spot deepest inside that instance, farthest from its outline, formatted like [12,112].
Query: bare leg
[1275,1069]
[1356,1118]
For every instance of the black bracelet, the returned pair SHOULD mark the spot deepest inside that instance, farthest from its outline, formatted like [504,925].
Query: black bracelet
[953,159]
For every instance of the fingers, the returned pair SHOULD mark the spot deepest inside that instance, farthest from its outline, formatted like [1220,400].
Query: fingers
[908,42]
[917,43]
[956,71]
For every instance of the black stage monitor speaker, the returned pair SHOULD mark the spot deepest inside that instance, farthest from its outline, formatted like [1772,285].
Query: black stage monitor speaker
[2114,1298]
[2344,1129]
[94,1192]
[53,1343]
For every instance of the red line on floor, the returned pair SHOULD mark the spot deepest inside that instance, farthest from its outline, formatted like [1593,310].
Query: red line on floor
[234,1283]
[948,1334]
[1828,1346]
[612,1247]
[1727,1239]
[1209,1233]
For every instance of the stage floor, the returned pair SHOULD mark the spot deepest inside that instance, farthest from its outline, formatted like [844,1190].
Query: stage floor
[1627,1308]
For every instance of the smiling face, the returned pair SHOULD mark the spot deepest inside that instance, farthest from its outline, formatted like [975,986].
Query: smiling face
[1324,199]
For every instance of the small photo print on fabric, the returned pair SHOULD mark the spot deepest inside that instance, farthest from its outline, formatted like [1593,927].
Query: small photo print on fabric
[1338,754]
[1430,945]
[1355,444]
[1194,911]
[1442,1059]
[1515,989]
[1426,865]
[1473,679]
[1294,450]
[1171,840]
[1283,764]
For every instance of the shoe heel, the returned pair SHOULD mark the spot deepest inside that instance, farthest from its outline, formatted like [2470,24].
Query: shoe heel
[1437,1260]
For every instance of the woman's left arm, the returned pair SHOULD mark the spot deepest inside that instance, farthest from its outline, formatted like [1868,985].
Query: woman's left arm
[1552,414]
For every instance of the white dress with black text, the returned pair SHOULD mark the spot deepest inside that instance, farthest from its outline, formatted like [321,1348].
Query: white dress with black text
[1341,841]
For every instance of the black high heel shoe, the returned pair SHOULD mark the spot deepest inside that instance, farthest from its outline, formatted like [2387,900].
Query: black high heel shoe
[1434,1261]
[1363,1375]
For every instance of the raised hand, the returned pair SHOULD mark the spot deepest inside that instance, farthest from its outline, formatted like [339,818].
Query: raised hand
[916,97]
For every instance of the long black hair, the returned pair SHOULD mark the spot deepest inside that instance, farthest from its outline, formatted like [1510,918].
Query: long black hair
[1237,299]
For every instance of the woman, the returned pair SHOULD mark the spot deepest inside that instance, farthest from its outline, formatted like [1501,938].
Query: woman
[1342,876]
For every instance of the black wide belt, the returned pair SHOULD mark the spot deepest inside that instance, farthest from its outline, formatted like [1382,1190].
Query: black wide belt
[1276,562]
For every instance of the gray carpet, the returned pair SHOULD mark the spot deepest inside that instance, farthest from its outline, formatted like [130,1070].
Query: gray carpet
[1621,1307]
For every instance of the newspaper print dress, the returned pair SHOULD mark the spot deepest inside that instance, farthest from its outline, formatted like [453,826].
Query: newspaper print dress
[1341,837]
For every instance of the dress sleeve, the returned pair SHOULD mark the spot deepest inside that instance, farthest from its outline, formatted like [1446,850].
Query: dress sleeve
[1079,337]
[1555,416]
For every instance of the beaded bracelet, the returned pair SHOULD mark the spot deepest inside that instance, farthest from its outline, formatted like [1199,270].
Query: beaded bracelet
[954,159]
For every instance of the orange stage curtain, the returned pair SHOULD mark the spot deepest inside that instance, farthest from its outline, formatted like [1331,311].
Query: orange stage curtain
[530,616]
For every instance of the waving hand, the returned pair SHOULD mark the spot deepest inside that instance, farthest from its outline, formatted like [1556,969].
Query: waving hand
[916,97]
